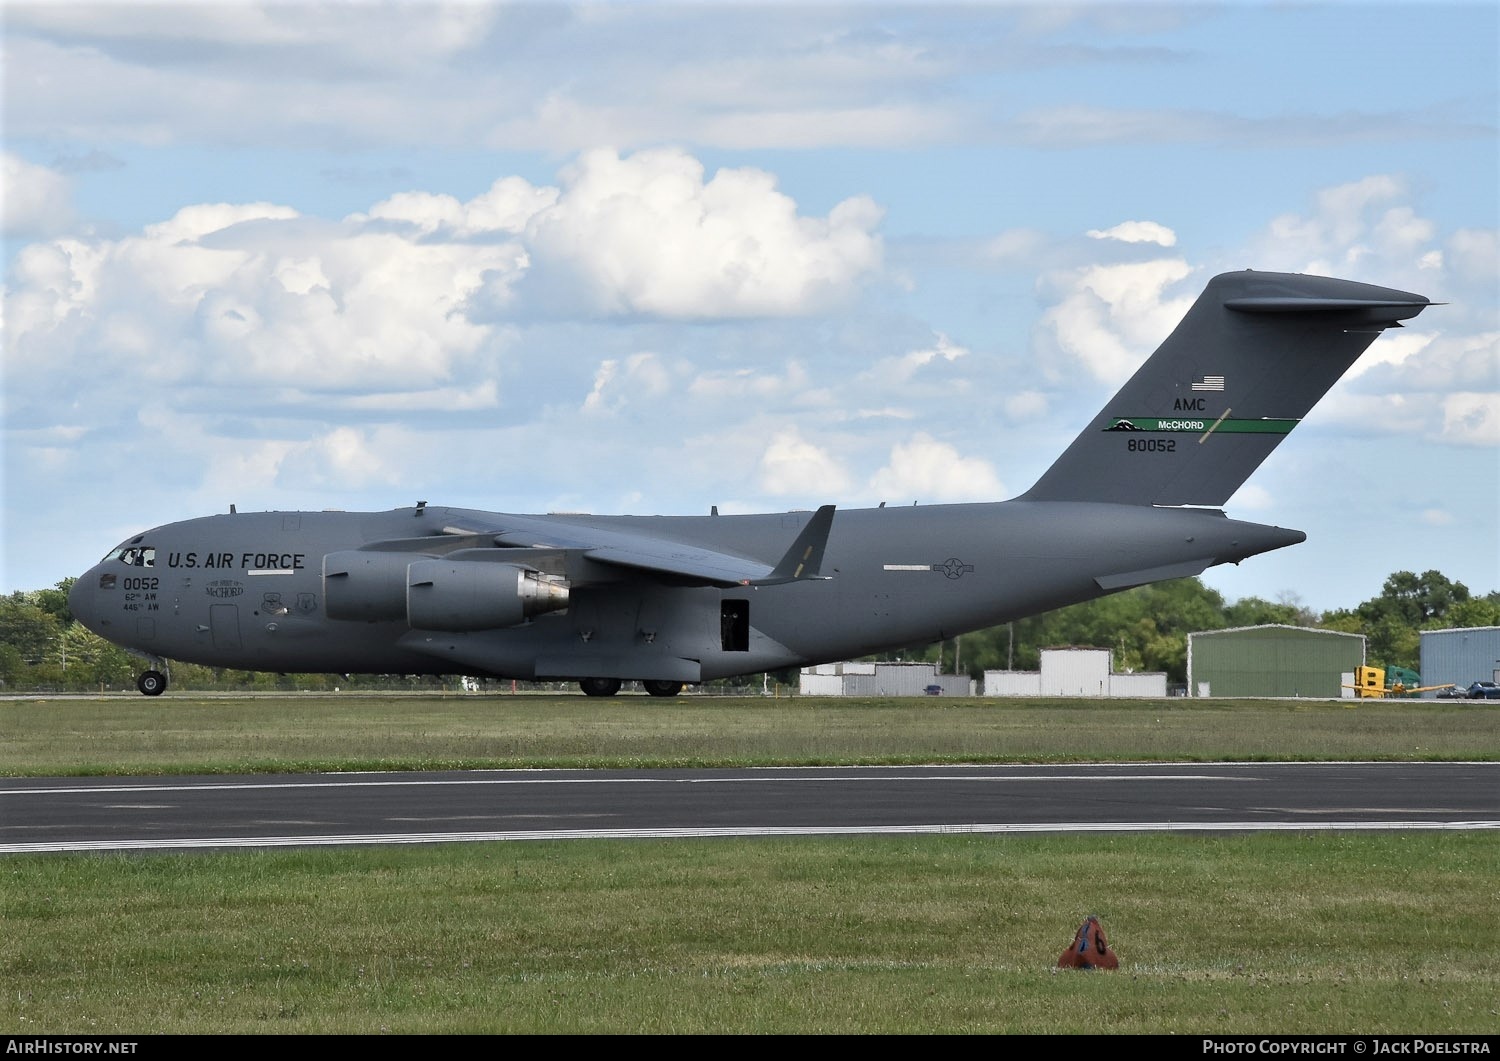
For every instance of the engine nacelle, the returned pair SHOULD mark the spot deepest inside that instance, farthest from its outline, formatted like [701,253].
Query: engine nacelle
[365,586]
[477,595]
[455,595]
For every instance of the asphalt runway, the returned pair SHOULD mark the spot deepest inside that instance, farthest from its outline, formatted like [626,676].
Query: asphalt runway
[155,813]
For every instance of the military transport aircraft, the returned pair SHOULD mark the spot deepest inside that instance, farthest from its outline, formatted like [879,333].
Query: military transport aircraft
[674,600]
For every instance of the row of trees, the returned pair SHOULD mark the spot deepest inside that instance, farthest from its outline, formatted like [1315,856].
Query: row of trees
[42,647]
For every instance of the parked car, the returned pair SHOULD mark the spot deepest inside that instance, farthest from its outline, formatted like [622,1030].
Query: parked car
[1484,691]
[1454,692]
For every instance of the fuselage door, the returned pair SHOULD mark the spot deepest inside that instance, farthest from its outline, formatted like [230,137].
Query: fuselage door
[224,620]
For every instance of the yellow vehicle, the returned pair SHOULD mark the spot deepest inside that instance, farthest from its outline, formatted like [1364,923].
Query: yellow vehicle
[1370,682]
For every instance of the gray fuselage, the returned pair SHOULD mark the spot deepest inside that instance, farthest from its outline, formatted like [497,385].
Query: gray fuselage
[249,590]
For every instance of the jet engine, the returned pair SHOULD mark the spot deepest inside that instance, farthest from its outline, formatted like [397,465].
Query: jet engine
[476,595]
[435,594]
[365,586]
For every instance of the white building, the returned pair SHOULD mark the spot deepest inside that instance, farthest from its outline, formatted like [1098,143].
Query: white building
[882,679]
[1074,672]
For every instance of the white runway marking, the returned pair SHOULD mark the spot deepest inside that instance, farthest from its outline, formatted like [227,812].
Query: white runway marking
[238,786]
[656,834]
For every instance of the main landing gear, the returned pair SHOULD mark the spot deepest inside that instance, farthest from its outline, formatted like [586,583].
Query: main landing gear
[610,686]
[151,683]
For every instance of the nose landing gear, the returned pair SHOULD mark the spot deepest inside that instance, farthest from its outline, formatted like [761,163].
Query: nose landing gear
[151,683]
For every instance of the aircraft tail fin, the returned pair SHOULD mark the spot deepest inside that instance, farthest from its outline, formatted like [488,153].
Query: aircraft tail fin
[1255,352]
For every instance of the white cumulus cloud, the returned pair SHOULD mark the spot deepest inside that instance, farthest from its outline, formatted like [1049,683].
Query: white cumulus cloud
[1108,318]
[922,468]
[1362,230]
[648,234]
[791,465]
[34,200]
[1472,419]
[1137,232]
[412,294]
[254,295]
[896,371]
[640,378]
[1437,376]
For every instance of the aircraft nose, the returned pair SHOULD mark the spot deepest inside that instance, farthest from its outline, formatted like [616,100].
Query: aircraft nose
[81,599]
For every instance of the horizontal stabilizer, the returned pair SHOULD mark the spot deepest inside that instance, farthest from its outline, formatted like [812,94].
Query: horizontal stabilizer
[1394,310]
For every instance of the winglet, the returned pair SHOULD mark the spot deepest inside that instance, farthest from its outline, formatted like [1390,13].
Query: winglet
[804,559]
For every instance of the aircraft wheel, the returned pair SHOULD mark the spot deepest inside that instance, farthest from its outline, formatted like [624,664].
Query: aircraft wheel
[662,688]
[152,683]
[599,686]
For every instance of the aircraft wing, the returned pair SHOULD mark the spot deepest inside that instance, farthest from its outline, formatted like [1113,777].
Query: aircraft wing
[642,551]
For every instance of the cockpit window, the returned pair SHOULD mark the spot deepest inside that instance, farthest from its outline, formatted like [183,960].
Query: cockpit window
[134,555]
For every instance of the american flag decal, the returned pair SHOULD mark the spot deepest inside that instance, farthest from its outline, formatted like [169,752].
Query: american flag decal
[1209,383]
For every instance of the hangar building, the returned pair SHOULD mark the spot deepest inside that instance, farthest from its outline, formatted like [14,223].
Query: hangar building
[1272,660]
[1462,656]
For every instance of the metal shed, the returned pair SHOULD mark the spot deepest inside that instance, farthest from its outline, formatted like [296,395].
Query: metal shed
[1461,656]
[1272,660]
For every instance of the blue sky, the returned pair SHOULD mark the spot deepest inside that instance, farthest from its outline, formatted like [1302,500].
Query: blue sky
[652,258]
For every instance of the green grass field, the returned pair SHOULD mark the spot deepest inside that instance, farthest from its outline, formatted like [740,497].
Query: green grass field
[1252,934]
[181,733]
